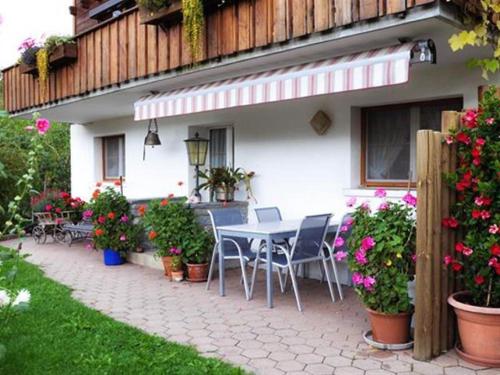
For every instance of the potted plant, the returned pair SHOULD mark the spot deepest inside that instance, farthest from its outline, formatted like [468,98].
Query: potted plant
[223,181]
[28,49]
[172,224]
[381,259]
[477,215]
[113,232]
[177,271]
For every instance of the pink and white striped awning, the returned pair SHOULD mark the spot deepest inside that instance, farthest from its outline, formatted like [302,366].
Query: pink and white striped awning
[376,68]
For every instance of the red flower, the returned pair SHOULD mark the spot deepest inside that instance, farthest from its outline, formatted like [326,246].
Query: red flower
[448,260]
[485,215]
[459,247]
[476,162]
[98,184]
[476,153]
[170,196]
[152,235]
[463,138]
[479,279]
[141,209]
[457,267]
[111,216]
[480,142]
[476,214]
[48,207]
[96,193]
[495,250]
[64,195]
[164,202]
[450,222]
[58,210]
[99,232]
[101,219]
[470,118]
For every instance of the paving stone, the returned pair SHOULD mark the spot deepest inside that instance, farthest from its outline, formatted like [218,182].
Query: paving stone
[366,364]
[459,371]
[255,353]
[427,368]
[396,366]
[348,371]
[290,366]
[337,361]
[320,369]
[262,363]
[282,356]
[309,358]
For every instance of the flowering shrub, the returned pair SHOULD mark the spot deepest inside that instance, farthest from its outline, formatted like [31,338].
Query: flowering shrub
[56,202]
[170,223]
[382,253]
[476,213]
[176,255]
[113,226]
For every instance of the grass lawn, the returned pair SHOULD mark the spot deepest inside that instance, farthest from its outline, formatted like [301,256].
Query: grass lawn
[59,335]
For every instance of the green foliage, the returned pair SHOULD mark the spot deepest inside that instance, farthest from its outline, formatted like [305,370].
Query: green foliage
[477,210]
[389,260]
[154,5]
[193,19]
[113,226]
[52,172]
[482,19]
[226,178]
[171,223]
[54,41]
[60,335]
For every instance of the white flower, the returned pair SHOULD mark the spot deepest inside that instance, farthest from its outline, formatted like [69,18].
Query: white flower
[23,297]
[4,298]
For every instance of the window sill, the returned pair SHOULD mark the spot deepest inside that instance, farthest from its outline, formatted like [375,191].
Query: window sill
[370,192]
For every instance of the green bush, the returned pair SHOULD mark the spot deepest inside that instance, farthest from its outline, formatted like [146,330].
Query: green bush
[154,5]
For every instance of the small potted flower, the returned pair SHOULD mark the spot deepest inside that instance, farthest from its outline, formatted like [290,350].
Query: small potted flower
[224,181]
[476,259]
[113,232]
[381,259]
[176,264]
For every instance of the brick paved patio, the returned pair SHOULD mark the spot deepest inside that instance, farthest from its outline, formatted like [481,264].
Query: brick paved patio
[325,339]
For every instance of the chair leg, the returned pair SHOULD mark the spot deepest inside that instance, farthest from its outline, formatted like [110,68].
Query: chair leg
[295,288]
[339,286]
[254,275]
[211,269]
[325,267]
[322,273]
[245,281]
[280,279]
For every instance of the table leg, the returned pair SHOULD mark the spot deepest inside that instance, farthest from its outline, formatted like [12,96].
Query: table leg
[269,271]
[222,287]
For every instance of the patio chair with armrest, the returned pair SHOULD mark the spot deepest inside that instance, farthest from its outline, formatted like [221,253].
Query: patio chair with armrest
[308,247]
[234,248]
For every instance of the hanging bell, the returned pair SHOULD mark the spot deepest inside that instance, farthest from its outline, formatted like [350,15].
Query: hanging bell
[152,139]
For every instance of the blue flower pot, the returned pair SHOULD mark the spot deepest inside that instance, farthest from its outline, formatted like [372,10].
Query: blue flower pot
[112,258]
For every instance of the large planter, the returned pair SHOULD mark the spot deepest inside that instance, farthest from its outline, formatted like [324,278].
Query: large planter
[167,266]
[112,257]
[479,331]
[197,273]
[390,328]
[224,194]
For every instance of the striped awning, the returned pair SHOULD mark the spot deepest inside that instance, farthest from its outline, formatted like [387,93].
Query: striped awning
[376,68]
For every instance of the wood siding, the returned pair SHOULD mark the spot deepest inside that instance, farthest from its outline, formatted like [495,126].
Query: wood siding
[122,49]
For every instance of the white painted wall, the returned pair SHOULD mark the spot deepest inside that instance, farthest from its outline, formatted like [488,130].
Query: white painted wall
[297,170]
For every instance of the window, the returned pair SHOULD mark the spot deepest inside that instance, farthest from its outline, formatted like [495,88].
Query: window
[218,147]
[389,136]
[113,152]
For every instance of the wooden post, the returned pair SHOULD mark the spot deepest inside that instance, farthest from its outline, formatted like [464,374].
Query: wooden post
[424,287]
[481,90]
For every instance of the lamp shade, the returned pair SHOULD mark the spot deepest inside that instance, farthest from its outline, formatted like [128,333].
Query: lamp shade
[197,149]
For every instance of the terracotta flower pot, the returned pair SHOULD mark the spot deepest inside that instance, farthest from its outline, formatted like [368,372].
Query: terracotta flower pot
[177,276]
[197,272]
[479,331]
[167,266]
[390,328]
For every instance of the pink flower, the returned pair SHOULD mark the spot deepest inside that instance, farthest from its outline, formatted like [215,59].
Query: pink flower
[468,251]
[480,142]
[410,200]
[368,283]
[414,258]
[42,125]
[87,214]
[380,193]
[360,256]
[493,262]
[351,202]
[485,215]
[124,219]
[490,121]
[357,278]
[383,206]
[29,128]
[339,242]
[494,229]
[449,139]
[349,221]
[478,201]
[470,118]
[448,260]
[344,228]
[340,256]
[123,238]
[88,246]
[367,243]
[101,219]
[48,207]
[365,206]
[175,251]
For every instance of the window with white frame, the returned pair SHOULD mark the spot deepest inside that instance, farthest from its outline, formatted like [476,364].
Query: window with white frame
[389,139]
[113,156]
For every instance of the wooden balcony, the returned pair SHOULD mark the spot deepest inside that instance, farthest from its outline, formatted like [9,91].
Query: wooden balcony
[121,49]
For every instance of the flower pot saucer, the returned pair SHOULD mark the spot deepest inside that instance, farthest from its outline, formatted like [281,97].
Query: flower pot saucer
[479,361]
[196,280]
[368,337]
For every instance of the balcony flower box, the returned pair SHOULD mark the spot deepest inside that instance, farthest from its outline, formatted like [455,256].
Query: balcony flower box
[28,69]
[62,55]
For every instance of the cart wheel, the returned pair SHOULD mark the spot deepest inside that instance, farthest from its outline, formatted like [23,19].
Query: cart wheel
[60,235]
[39,235]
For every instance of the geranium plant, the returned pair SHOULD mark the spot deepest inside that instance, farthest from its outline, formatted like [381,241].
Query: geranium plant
[57,202]
[170,223]
[113,226]
[476,214]
[382,253]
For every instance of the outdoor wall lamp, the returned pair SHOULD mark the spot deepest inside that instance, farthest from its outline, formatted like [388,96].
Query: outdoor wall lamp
[152,139]
[197,149]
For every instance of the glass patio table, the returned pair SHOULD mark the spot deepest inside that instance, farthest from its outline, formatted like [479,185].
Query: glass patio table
[269,232]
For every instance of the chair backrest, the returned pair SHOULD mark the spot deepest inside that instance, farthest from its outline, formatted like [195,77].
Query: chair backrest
[310,236]
[225,216]
[268,214]
[343,231]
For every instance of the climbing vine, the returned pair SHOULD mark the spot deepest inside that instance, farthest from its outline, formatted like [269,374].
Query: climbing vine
[42,63]
[194,22]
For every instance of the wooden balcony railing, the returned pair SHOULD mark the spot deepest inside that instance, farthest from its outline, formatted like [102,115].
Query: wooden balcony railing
[122,49]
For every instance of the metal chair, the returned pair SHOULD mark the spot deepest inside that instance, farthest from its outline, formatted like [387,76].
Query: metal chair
[268,214]
[308,247]
[234,247]
[343,231]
